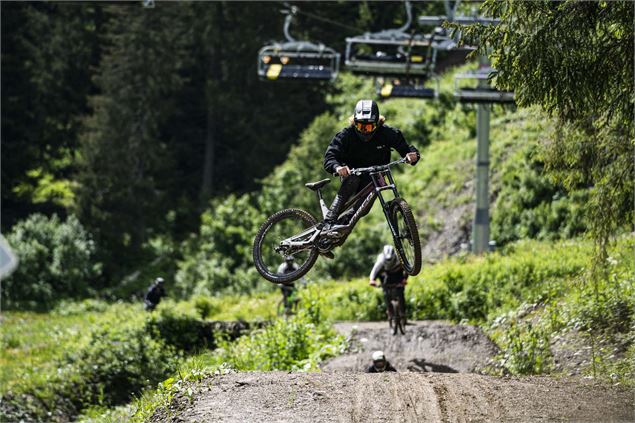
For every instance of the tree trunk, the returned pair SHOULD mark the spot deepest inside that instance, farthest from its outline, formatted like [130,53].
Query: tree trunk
[208,164]
[213,77]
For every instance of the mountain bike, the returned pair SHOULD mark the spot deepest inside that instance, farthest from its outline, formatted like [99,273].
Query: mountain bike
[289,303]
[396,311]
[296,234]
[395,307]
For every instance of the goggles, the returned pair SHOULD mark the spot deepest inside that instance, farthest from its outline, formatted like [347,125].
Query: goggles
[379,364]
[365,127]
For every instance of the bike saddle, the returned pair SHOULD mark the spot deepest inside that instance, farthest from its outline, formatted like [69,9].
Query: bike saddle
[314,186]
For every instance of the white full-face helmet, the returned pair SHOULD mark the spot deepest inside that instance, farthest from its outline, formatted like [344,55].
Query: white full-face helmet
[379,361]
[390,255]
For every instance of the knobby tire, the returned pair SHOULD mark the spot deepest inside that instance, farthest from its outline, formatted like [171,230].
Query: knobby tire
[261,267]
[400,210]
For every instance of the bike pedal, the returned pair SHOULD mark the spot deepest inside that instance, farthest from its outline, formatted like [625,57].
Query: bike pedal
[328,255]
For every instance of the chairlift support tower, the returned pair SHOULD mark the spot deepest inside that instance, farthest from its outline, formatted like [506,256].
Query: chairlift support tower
[483,95]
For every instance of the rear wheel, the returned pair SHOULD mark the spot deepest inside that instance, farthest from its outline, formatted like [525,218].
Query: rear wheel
[394,316]
[269,254]
[407,236]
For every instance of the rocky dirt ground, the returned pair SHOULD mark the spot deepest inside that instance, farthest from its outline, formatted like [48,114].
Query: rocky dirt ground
[427,346]
[435,383]
[392,397]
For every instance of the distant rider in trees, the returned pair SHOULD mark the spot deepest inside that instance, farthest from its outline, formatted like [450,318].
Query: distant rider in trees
[392,275]
[288,290]
[380,364]
[156,291]
[367,141]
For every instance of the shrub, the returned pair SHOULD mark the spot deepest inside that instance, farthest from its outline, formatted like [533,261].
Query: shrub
[526,350]
[296,343]
[180,331]
[56,262]
[219,260]
[116,362]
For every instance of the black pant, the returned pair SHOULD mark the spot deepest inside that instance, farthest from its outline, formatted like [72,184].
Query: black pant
[397,292]
[351,185]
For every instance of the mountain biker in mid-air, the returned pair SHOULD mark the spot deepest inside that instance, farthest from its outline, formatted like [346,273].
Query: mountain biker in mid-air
[367,141]
[380,364]
[392,274]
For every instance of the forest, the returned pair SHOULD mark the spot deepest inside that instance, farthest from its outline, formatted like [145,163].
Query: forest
[140,142]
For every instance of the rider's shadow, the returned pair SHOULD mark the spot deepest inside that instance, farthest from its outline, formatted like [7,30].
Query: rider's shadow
[421,365]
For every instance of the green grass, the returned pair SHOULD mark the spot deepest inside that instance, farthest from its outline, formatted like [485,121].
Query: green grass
[32,341]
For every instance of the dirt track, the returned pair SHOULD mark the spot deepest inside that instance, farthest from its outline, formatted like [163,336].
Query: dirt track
[409,397]
[444,393]
[427,346]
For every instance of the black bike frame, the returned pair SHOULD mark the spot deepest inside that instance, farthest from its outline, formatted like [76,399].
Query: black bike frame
[369,193]
[366,197]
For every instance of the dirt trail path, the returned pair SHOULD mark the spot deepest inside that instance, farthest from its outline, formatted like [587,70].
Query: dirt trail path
[398,397]
[427,346]
[434,385]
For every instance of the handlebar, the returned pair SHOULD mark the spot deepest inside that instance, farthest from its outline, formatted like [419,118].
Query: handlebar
[358,171]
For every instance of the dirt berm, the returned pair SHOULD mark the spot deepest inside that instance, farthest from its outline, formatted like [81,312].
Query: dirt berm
[434,387]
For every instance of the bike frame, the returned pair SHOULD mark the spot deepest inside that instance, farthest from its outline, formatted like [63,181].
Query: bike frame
[367,195]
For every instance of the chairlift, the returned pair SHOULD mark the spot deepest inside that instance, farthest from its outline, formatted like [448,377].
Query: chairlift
[480,94]
[294,59]
[448,53]
[392,52]
[406,88]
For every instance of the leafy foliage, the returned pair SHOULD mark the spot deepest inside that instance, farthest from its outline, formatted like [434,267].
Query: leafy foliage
[575,60]
[47,49]
[116,357]
[57,260]
[220,258]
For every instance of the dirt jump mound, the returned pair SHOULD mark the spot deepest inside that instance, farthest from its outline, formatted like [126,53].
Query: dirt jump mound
[427,346]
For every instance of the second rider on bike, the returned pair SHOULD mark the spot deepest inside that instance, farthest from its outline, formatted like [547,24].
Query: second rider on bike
[388,268]
[366,142]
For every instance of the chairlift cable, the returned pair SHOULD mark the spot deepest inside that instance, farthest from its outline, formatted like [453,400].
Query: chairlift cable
[332,22]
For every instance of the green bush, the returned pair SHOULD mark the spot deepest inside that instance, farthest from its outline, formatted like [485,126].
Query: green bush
[116,362]
[526,350]
[180,331]
[205,307]
[118,358]
[56,262]
[530,205]
[219,259]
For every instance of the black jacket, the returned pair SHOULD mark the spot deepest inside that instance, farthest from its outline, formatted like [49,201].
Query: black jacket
[155,293]
[373,369]
[346,149]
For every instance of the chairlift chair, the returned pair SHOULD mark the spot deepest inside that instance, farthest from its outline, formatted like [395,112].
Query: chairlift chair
[390,53]
[480,94]
[406,88]
[294,59]
[298,60]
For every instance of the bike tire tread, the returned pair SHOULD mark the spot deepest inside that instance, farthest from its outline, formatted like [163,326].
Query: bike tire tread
[411,269]
[256,253]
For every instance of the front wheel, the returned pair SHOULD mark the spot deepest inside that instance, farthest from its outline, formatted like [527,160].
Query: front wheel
[270,256]
[406,237]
